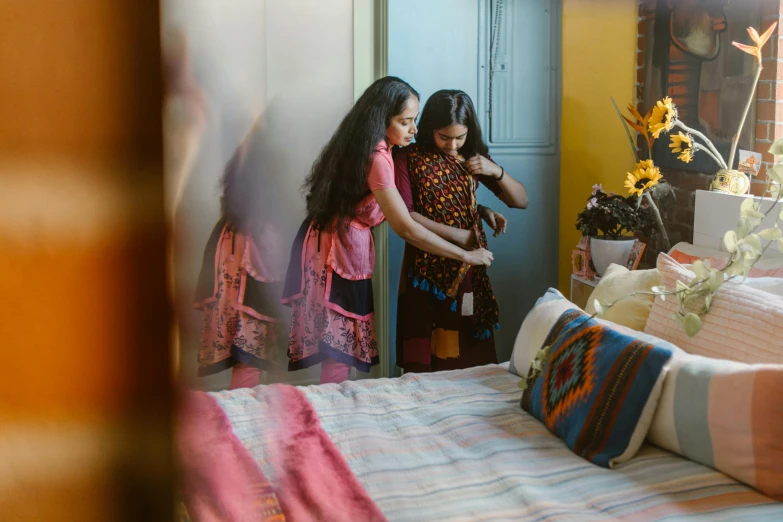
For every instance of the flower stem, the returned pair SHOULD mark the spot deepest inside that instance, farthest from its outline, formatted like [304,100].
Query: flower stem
[706,150]
[705,140]
[751,97]
[627,132]
[661,228]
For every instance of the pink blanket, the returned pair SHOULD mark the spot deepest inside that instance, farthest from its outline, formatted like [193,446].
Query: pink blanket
[312,479]
[220,480]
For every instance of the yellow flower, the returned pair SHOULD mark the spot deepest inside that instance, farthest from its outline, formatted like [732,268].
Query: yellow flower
[664,114]
[646,175]
[682,143]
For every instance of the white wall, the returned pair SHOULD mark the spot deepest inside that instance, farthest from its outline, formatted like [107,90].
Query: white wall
[290,61]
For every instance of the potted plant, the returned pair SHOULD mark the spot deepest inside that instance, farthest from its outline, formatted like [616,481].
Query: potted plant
[610,220]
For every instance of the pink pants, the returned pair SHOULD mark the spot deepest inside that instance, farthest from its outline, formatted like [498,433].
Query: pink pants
[245,376]
[334,372]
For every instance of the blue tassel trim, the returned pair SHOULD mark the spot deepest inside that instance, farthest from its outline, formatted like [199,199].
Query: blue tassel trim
[427,286]
[484,333]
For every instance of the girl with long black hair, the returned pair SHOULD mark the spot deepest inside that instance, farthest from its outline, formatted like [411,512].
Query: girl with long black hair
[350,190]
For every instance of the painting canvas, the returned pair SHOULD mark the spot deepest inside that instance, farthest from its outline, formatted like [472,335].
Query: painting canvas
[749,162]
[689,57]
[636,255]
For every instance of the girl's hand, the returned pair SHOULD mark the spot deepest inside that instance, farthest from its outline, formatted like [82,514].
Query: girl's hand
[471,242]
[494,220]
[479,257]
[480,166]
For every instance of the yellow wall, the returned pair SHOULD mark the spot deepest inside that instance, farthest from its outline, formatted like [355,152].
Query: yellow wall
[599,61]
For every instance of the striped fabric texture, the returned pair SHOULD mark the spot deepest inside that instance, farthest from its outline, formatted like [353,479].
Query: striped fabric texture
[455,446]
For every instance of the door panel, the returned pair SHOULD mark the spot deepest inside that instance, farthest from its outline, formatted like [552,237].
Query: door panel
[446,44]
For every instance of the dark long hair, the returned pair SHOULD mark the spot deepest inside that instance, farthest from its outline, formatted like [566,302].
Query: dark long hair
[451,107]
[338,180]
[250,185]
[236,202]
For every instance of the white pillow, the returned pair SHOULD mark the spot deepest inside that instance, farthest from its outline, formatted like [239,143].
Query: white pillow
[536,326]
[771,285]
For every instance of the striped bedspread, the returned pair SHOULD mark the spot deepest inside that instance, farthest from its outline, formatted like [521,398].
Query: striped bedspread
[456,446]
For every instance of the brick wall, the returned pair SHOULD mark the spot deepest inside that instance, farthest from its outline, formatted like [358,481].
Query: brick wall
[678,216]
[769,97]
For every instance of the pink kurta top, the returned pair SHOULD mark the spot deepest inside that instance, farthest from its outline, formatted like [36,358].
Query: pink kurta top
[351,253]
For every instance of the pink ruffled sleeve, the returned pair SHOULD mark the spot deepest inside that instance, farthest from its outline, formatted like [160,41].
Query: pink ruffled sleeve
[381,174]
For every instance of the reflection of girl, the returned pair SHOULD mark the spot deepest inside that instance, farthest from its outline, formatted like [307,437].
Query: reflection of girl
[350,190]
[240,282]
[446,311]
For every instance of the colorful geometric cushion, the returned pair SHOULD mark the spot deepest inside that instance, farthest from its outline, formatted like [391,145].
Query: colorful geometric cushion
[597,389]
[726,415]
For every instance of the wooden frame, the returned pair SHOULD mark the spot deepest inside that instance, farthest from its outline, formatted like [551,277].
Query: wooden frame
[370,62]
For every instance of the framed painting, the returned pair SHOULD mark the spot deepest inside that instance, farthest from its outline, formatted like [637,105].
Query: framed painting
[689,57]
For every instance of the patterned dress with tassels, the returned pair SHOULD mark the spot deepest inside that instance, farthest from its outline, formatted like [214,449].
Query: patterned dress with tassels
[446,310]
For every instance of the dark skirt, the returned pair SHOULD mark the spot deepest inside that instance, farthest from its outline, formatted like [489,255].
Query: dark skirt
[432,333]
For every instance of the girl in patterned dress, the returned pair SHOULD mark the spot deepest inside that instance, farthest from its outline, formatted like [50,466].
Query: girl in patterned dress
[446,310]
[240,283]
[350,190]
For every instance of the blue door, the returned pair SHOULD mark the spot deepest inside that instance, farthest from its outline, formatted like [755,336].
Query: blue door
[453,44]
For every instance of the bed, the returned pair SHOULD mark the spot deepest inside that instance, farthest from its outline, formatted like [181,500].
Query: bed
[457,446]
[449,446]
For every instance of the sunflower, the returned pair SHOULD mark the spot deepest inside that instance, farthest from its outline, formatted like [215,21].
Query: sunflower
[682,143]
[646,175]
[663,116]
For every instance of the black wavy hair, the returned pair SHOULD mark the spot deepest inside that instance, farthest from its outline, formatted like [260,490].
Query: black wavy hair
[450,107]
[247,185]
[239,188]
[338,180]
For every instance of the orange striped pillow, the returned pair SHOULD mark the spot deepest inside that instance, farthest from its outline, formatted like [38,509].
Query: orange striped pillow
[726,415]
[688,259]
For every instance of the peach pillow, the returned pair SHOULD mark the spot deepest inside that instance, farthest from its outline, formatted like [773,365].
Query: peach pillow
[742,325]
